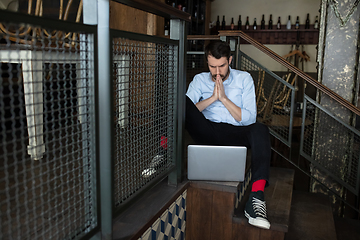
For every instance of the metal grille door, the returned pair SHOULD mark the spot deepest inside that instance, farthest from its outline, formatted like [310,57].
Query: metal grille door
[145,76]
[47,131]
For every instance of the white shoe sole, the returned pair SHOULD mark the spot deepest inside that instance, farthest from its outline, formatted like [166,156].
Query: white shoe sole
[258,222]
[148,172]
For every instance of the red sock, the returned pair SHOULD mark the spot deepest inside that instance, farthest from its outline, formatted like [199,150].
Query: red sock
[163,142]
[258,185]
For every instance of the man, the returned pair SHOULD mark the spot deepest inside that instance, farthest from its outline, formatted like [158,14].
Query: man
[221,110]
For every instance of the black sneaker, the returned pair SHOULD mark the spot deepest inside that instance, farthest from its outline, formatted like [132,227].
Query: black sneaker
[255,210]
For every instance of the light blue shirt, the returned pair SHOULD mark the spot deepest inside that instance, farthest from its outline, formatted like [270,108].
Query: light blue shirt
[239,88]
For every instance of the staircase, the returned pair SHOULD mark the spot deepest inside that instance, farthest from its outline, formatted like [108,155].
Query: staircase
[293,214]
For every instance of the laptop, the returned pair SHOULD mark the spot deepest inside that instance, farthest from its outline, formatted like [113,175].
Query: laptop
[216,163]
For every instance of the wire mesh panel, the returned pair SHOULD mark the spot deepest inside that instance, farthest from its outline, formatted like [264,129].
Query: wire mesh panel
[274,98]
[47,133]
[331,146]
[145,78]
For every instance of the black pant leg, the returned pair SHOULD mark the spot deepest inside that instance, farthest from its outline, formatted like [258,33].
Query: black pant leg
[199,128]
[255,136]
[259,139]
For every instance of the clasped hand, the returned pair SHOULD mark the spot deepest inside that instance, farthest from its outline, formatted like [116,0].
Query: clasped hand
[219,92]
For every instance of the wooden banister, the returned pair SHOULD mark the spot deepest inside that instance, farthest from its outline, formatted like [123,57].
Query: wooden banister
[203,37]
[282,61]
[157,8]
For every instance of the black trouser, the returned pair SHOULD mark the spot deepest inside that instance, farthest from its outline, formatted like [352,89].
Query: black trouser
[255,137]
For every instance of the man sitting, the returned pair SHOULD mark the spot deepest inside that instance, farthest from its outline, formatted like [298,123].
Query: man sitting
[221,110]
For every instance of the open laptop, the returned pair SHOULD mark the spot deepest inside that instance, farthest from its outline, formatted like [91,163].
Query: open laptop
[216,163]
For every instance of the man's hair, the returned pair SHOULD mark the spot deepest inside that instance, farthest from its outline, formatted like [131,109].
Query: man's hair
[218,49]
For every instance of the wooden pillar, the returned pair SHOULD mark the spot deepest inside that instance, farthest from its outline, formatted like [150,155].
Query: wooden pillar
[338,60]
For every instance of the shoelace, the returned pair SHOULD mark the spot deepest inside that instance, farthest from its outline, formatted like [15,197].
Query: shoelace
[259,207]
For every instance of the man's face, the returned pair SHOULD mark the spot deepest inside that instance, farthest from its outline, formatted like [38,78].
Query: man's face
[219,67]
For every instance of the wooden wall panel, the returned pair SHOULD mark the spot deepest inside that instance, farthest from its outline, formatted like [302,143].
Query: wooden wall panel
[198,226]
[222,213]
[130,19]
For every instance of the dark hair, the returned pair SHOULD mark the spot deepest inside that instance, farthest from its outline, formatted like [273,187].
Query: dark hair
[218,49]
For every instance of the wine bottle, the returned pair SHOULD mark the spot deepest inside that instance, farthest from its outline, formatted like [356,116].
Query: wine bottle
[278,25]
[179,6]
[218,23]
[173,4]
[223,23]
[232,24]
[184,6]
[167,27]
[288,25]
[247,24]
[262,26]
[316,23]
[195,11]
[193,46]
[307,22]
[270,26]
[239,23]
[297,23]
[254,25]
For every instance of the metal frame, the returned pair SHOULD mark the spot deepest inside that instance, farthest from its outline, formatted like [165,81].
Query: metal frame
[18,18]
[96,19]
[310,159]
[105,119]
[292,110]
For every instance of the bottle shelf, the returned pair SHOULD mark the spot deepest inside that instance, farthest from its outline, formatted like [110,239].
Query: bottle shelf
[280,36]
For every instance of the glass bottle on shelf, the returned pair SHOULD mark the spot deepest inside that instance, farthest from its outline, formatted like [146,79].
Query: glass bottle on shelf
[270,26]
[193,46]
[288,25]
[254,25]
[185,7]
[167,27]
[262,26]
[316,23]
[297,24]
[195,11]
[218,23]
[247,24]
[307,22]
[278,25]
[179,5]
[239,23]
[223,23]
[232,26]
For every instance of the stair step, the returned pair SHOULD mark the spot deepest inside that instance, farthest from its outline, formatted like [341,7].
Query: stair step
[311,217]
[348,229]
[278,200]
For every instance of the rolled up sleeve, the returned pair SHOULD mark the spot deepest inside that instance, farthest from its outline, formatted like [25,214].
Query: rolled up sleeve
[248,109]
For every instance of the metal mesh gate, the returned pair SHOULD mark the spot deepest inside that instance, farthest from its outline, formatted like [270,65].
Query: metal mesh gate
[47,132]
[145,78]
[332,146]
[274,98]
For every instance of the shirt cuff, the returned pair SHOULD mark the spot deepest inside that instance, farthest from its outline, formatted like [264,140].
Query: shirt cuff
[245,116]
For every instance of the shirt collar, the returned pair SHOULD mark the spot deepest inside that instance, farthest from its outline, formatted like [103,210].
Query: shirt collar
[230,78]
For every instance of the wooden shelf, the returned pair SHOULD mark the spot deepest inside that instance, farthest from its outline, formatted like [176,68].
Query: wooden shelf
[281,36]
